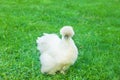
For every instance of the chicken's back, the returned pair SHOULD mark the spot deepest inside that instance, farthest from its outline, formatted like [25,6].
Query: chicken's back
[47,42]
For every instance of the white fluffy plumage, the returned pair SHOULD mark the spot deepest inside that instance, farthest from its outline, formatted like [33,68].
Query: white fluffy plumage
[57,54]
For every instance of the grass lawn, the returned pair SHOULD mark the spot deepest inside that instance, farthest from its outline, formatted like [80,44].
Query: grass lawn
[96,24]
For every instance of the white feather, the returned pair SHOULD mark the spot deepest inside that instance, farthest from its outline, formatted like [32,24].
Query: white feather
[57,54]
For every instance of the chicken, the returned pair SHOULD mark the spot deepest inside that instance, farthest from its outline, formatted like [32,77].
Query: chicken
[57,54]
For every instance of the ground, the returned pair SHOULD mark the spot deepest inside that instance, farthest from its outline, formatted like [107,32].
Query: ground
[97,36]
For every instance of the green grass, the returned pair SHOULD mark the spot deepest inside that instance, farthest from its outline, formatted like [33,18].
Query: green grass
[96,24]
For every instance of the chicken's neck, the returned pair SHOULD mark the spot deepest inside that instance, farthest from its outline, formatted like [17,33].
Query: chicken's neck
[67,41]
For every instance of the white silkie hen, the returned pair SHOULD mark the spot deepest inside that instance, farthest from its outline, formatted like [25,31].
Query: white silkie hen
[57,54]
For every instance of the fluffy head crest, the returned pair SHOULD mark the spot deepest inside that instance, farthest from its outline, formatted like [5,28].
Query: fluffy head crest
[67,31]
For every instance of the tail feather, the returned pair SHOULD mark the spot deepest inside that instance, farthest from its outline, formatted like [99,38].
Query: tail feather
[40,41]
[47,41]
